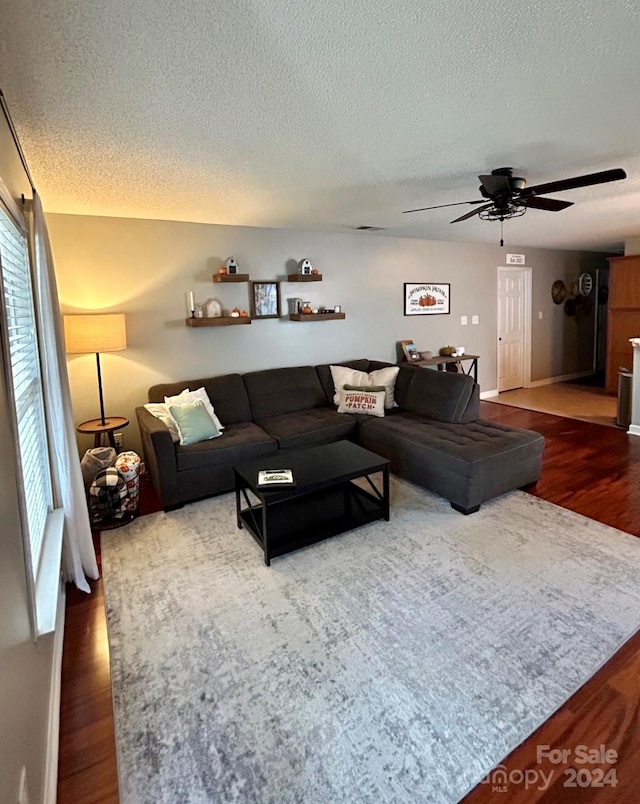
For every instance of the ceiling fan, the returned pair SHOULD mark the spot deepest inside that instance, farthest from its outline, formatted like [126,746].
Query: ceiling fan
[506,196]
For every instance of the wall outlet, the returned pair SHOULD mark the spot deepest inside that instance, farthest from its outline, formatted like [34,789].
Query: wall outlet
[540,315]
[475,319]
[464,320]
[23,792]
[117,437]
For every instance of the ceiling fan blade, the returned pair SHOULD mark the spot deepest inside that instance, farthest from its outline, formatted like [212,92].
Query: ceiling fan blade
[495,184]
[572,184]
[473,212]
[439,206]
[538,202]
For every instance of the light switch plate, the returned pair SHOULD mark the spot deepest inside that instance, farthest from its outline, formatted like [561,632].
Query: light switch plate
[464,320]
[475,319]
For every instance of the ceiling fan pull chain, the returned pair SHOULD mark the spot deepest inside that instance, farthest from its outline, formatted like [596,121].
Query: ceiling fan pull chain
[501,226]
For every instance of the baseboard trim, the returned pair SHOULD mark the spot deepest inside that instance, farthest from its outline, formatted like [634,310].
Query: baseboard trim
[488,394]
[562,378]
[634,429]
[50,795]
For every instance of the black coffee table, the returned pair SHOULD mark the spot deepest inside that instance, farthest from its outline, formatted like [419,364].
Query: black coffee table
[323,502]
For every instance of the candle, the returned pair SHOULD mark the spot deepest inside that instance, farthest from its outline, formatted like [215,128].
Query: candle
[192,306]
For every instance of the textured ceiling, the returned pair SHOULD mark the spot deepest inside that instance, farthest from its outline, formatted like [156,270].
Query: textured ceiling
[326,114]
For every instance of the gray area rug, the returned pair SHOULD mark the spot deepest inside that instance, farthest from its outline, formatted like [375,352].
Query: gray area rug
[396,663]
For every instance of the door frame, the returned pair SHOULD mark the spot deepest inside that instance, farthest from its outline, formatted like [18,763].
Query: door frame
[526,320]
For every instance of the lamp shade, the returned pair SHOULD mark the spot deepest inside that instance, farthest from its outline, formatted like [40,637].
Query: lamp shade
[100,332]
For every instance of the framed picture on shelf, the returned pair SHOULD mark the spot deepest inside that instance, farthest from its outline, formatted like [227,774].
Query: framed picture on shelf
[427,298]
[265,300]
[410,350]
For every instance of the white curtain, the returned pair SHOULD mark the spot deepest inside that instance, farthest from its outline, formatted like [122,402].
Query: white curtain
[78,554]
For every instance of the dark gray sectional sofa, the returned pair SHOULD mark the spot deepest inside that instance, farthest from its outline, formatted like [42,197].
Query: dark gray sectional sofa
[434,437]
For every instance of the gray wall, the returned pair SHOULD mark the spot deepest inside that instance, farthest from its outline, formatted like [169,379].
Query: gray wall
[144,268]
[25,667]
[562,344]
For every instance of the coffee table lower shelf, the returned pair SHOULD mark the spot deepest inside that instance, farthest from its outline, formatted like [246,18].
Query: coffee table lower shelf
[290,524]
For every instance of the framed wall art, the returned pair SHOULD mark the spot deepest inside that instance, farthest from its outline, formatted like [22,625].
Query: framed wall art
[427,298]
[265,300]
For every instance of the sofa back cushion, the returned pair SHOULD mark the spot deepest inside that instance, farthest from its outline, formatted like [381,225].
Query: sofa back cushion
[442,395]
[276,392]
[326,378]
[227,393]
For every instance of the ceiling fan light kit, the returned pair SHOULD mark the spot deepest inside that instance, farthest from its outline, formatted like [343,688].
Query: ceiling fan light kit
[506,196]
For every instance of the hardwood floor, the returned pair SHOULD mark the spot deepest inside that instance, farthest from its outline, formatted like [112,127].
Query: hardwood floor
[588,468]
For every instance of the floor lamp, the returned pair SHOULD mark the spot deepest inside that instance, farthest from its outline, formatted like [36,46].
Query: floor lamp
[100,332]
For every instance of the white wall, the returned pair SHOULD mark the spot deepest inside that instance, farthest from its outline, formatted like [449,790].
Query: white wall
[144,268]
[632,246]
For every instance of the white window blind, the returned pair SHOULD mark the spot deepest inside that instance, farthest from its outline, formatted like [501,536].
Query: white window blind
[25,383]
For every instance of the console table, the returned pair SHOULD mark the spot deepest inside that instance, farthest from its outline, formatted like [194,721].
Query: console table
[441,362]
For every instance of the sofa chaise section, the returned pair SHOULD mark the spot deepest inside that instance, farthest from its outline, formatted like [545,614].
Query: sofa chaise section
[436,440]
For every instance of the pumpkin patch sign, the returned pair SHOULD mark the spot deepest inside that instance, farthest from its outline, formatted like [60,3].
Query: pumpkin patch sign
[426,298]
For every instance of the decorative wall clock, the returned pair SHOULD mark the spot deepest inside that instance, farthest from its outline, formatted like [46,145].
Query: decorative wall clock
[558,291]
[585,284]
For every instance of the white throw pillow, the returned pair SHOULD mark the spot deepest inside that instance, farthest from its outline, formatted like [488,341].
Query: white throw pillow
[346,376]
[370,403]
[161,411]
[187,396]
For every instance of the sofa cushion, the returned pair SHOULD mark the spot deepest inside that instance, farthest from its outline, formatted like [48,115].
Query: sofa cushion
[310,427]
[324,373]
[275,392]
[227,394]
[238,442]
[440,395]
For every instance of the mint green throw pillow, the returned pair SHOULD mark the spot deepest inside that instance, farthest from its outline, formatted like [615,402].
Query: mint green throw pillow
[194,422]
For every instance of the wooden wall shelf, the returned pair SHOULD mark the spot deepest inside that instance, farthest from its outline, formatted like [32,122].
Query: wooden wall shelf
[220,321]
[317,316]
[304,278]
[230,278]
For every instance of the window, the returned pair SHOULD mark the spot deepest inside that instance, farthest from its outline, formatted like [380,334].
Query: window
[23,366]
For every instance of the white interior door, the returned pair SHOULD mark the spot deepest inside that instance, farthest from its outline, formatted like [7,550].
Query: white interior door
[511,328]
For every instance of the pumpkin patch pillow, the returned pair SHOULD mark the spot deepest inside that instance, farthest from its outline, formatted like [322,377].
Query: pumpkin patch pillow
[366,399]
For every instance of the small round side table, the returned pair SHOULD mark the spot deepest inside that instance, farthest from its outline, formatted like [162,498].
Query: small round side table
[97,429]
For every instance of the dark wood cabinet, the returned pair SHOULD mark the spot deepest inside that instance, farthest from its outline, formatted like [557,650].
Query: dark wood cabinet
[624,315]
